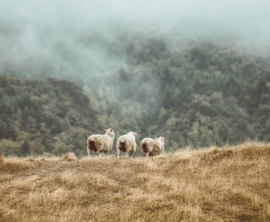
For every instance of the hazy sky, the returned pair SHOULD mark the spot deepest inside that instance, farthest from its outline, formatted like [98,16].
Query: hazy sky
[244,15]
[49,36]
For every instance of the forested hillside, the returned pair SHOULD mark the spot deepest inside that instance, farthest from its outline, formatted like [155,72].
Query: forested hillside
[209,94]
[195,94]
[46,117]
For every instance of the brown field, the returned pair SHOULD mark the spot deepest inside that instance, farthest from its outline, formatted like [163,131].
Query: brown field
[228,184]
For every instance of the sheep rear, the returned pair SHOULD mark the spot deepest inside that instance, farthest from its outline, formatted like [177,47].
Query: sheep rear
[145,147]
[122,146]
[92,146]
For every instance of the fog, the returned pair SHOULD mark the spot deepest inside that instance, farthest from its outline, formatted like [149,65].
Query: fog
[83,40]
[99,45]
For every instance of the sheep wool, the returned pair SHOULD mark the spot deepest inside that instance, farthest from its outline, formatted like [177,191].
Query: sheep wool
[126,144]
[152,147]
[100,143]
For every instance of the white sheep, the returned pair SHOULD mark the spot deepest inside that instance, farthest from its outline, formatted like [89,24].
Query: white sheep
[100,143]
[152,147]
[126,144]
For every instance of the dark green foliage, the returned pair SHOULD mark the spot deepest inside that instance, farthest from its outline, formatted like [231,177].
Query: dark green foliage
[197,94]
[43,111]
[10,91]
[57,127]
[211,94]
[147,51]
[7,129]
[48,146]
[25,147]
[3,82]
[231,87]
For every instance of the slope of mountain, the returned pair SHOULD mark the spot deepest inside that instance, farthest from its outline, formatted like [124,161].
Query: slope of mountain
[43,117]
[195,94]
[208,93]
[227,184]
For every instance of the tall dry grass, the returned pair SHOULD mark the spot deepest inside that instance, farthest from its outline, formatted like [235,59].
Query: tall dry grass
[228,184]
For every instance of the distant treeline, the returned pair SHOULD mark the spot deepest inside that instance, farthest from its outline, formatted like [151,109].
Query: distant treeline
[196,95]
[43,117]
[199,95]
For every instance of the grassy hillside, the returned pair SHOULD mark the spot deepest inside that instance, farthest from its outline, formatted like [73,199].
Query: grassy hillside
[228,184]
[47,117]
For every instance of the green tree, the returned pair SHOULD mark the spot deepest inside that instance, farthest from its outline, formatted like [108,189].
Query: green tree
[25,147]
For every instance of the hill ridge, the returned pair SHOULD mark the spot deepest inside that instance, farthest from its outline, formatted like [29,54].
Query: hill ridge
[231,183]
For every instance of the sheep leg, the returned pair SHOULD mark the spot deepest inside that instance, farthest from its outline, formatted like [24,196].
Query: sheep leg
[132,154]
[89,153]
[118,153]
[104,155]
[126,154]
[98,155]
[147,154]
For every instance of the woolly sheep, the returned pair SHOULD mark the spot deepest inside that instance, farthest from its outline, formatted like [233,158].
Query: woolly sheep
[100,143]
[126,144]
[152,147]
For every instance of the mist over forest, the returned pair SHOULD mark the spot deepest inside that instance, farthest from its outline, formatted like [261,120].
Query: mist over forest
[197,73]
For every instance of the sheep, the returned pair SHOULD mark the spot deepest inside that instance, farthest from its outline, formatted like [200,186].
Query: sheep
[100,143]
[152,147]
[126,143]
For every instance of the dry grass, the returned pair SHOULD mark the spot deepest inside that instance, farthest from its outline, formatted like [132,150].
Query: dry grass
[229,184]
[70,157]
[1,158]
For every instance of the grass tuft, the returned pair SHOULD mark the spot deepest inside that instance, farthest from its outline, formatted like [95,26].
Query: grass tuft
[70,157]
[1,158]
[31,159]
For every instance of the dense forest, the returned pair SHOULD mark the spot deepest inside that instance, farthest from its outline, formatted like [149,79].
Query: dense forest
[209,94]
[195,94]
[47,117]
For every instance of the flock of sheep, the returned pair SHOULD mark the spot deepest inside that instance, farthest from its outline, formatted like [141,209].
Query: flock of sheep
[126,143]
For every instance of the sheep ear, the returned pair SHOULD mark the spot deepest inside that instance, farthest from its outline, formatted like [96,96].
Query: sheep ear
[105,130]
[135,134]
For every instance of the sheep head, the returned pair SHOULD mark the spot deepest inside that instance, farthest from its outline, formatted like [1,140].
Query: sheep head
[110,132]
[161,139]
[132,134]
